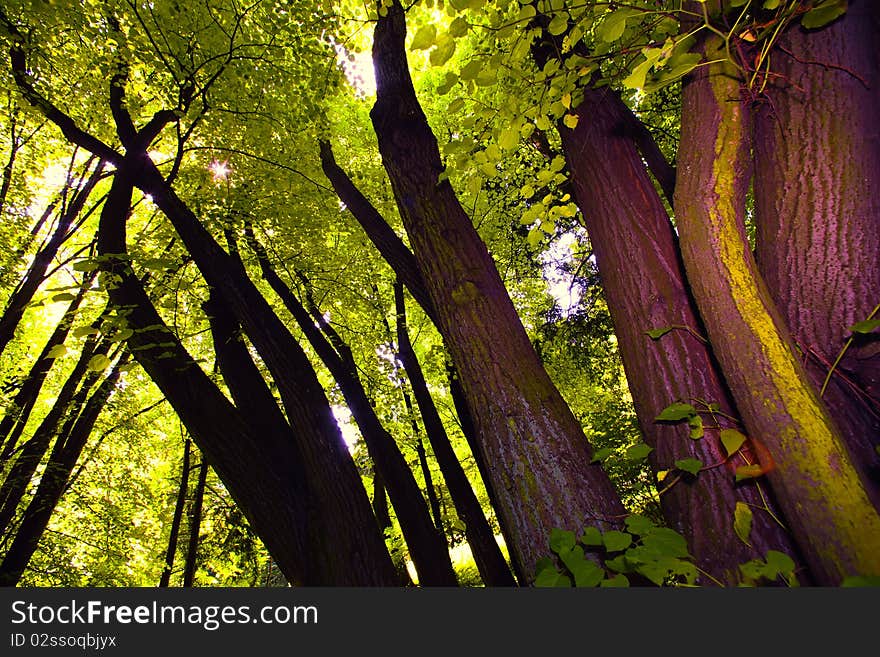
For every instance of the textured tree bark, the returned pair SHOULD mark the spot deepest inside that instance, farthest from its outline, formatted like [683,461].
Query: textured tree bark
[328,537]
[55,478]
[177,517]
[644,284]
[534,446]
[825,503]
[490,561]
[426,545]
[817,206]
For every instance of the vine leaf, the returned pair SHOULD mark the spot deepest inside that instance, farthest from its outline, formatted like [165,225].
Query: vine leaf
[742,522]
[676,413]
[689,465]
[749,472]
[865,326]
[732,440]
[824,13]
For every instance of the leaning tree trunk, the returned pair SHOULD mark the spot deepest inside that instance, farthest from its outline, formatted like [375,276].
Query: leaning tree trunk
[54,480]
[36,273]
[195,523]
[535,447]
[819,490]
[490,561]
[328,537]
[426,545]
[18,412]
[176,518]
[817,203]
[644,285]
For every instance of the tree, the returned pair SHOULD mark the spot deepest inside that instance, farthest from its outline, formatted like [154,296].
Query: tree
[699,173]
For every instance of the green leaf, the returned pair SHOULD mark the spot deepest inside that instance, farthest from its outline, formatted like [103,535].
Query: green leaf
[636,79]
[57,351]
[591,537]
[639,525]
[586,573]
[550,577]
[614,25]
[83,331]
[865,326]
[779,563]
[738,3]
[618,564]
[742,522]
[615,541]
[638,452]
[695,422]
[561,540]
[508,140]
[657,333]
[570,121]
[85,265]
[748,472]
[666,542]
[676,413]
[689,465]
[618,581]
[860,580]
[601,454]
[443,52]
[732,440]
[771,4]
[98,363]
[64,296]
[823,13]
[458,28]
[558,24]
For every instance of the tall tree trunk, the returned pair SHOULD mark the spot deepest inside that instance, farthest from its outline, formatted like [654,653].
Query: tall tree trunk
[195,523]
[177,517]
[825,503]
[67,406]
[426,545]
[36,274]
[817,206]
[487,555]
[430,489]
[380,502]
[644,285]
[534,445]
[327,537]
[53,482]
[18,412]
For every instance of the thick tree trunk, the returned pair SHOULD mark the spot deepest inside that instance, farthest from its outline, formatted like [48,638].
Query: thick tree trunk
[177,517]
[487,555]
[54,480]
[426,545]
[644,285]
[819,490]
[195,523]
[535,447]
[327,537]
[817,205]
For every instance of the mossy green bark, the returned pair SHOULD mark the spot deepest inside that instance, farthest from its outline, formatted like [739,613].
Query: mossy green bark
[817,486]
